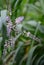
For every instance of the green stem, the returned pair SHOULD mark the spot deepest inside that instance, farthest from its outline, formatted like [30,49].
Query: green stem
[35,35]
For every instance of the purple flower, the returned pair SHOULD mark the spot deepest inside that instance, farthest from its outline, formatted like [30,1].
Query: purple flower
[19,19]
[7,18]
[9,26]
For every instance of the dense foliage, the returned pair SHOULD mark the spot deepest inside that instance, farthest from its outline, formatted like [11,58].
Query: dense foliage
[22,32]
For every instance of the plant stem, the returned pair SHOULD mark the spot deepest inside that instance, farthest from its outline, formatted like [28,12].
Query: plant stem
[35,35]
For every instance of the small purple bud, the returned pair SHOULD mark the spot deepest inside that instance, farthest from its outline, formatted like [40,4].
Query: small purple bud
[19,19]
[7,18]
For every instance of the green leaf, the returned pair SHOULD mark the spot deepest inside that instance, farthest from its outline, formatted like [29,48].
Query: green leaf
[17,36]
[4,37]
[3,16]
[19,27]
[32,1]
[23,59]
[42,5]
[0,23]
[17,52]
[40,60]
[32,23]
[41,28]
[0,39]
[30,54]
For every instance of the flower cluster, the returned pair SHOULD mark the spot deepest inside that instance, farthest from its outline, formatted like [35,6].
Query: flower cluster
[9,25]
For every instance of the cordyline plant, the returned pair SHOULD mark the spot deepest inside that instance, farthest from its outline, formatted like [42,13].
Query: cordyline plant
[22,34]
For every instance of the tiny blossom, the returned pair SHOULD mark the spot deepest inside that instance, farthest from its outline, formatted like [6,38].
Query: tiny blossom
[19,19]
[28,33]
[7,18]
